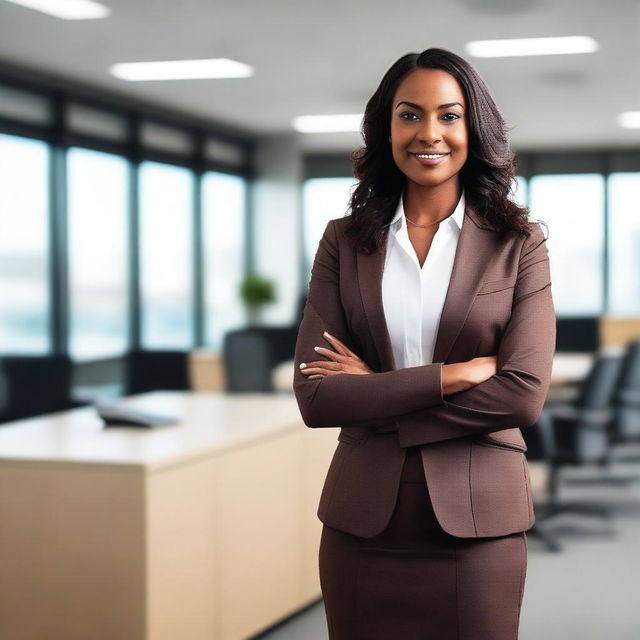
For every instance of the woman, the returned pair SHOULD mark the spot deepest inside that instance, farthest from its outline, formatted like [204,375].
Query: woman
[433,303]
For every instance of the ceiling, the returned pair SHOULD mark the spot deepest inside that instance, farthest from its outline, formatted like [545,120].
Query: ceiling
[327,56]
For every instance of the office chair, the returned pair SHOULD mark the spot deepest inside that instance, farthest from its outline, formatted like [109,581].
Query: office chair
[538,439]
[251,354]
[156,370]
[36,385]
[580,438]
[626,423]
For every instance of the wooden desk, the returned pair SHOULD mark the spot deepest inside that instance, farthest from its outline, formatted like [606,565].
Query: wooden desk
[199,531]
[570,367]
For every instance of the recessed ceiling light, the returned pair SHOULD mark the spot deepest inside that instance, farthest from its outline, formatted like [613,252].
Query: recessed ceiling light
[531,46]
[629,119]
[336,123]
[181,69]
[67,9]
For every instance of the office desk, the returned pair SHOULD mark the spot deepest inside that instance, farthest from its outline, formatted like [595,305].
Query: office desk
[199,531]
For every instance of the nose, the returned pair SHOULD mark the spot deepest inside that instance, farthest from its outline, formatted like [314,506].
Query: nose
[430,132]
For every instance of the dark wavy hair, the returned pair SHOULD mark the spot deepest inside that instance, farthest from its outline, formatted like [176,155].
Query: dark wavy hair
[487,176]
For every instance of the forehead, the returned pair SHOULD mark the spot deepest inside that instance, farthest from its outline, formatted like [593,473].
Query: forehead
[430,88]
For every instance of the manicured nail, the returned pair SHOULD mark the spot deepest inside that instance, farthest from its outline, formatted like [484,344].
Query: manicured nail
[326,333]
[303,365]
[317,348]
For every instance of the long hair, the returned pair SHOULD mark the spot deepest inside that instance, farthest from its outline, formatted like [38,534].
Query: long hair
[487,176]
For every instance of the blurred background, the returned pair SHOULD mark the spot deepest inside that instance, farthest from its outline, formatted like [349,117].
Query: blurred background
[158,223]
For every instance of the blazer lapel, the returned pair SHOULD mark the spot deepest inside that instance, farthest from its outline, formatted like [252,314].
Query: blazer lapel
[476,245]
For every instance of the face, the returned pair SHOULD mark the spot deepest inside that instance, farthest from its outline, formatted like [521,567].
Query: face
[428,116]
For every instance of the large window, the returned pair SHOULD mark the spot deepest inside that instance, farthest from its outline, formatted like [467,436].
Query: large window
[223,226]
[323,199]
[98,254]
[624,244]
[166,256]
[573,207]
[24,246]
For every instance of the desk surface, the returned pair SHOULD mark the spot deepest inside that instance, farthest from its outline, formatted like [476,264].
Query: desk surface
[207,423]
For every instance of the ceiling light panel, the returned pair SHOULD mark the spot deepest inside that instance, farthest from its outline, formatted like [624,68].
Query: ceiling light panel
[336,123]
[531,46]
[181,70]
[67,9]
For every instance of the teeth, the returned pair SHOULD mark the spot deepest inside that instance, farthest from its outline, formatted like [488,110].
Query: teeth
[431,155]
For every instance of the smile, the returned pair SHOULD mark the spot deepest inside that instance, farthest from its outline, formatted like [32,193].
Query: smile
[429,155]
[427,159]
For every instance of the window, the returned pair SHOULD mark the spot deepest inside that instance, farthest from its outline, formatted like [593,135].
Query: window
[223,220]
[166,256]
[323,199]
[24,246]
[572,205]
[519,193]
[98,254]
[624,244]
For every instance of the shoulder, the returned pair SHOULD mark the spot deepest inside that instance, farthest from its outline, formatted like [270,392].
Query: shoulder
[536,235]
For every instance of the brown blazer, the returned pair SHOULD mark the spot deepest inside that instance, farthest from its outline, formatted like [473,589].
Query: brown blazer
[498,302]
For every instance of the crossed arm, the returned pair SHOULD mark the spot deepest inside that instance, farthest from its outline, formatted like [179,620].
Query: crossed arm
[411,398]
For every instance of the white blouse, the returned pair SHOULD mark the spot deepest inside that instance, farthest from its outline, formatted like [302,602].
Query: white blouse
[413,297]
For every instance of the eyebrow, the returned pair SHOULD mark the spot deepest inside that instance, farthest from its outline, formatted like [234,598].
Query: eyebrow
[417,106]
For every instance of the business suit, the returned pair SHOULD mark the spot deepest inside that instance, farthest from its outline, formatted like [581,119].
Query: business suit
[472,452]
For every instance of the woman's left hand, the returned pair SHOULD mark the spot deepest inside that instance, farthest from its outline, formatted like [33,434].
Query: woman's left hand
[344,361]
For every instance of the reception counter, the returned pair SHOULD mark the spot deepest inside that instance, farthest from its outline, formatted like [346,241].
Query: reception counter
[206,529]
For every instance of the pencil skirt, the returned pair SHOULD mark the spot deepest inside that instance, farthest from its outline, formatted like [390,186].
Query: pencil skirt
[414,581]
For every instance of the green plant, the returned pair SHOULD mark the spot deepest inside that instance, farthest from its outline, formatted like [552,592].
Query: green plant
[256,291]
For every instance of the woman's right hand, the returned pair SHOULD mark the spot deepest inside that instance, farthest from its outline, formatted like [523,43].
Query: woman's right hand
[464,375]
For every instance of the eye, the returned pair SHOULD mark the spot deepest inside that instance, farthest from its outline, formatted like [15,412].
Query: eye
[408,113]
[456,116]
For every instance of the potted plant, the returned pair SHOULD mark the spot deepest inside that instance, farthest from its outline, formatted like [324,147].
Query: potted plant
[256,291]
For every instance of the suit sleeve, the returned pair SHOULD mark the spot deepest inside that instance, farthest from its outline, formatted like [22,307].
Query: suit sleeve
[515,395]
[350,400]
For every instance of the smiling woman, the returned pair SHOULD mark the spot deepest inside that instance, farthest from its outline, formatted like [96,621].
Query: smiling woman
[427,337]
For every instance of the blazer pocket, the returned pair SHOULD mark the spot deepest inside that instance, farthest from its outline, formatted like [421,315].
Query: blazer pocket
[486,441]
[493,286]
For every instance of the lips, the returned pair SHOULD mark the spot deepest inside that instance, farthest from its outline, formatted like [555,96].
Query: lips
[426,162]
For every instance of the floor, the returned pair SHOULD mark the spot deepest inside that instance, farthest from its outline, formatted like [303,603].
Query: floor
[589,590]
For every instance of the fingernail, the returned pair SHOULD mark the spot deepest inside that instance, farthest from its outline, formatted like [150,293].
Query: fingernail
[316,348]
[303,365]
[326,333]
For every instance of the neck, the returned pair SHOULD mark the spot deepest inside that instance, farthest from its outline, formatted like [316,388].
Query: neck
[426,205]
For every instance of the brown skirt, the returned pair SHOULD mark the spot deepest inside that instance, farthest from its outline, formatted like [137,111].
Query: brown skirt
[414,581]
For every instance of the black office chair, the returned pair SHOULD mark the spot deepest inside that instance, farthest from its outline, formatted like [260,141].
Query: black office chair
[155,371]
[36,385]
[251,354]
[626,423]
[539,440]
[580,438]
[579,333]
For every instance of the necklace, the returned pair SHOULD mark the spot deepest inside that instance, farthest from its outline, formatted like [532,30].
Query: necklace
[424,226]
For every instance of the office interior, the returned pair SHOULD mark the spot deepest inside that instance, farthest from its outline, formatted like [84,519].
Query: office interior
[156,247]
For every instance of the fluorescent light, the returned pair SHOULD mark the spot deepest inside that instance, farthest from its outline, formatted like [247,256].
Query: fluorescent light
[67,9]
[629,119]
[181,70]
[328,124]
[531,46]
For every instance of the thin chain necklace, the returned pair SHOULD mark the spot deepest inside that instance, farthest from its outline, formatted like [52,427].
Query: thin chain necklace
[424,226]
